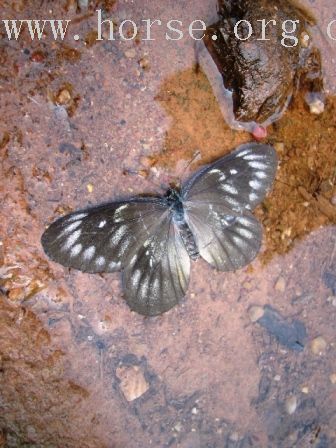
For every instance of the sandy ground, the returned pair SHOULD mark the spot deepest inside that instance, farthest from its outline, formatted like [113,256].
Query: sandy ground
[83,122]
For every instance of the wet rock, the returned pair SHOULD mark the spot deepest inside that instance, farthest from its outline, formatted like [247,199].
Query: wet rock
[291,334]
[318,345]
[132,382]
[260,73]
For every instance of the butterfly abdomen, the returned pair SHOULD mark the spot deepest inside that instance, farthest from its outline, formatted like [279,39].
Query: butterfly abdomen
[189,241]
[185,232]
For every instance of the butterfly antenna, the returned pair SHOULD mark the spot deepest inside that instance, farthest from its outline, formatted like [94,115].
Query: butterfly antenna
[144,173]
[197,156]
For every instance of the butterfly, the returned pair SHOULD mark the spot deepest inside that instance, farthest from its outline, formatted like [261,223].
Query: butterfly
[152,240]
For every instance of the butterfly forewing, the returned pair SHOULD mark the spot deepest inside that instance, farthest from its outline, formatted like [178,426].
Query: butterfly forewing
[238,181]
[217,204]
[100,238]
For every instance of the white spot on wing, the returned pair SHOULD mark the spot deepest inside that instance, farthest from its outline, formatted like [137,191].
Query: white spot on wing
[77,216]
[136,276]
[238,240]
[253,197]
[229,189]
[70,241]
[260,175]
[232,201]
[144,286]
[255,184]
[244,232]
[124,245]
[258,165]
[71,227]
[113,265]
[233,171]
[254,157]
[243,153]
[102,223]
[89,253]
[100,261]
[156,286]
[244,221]
[215,171]
[76,250]
[120,209]
[117,236]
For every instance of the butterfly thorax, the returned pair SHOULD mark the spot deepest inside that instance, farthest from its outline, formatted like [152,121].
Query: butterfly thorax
[174,199]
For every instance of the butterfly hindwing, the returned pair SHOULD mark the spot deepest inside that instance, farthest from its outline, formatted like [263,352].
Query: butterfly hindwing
[227,242]
[156,273]
[217,204]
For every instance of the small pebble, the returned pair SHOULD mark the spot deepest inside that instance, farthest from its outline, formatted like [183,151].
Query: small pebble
[332,300]
[130,54]
[291,404]
[304,40]
[277,378]
[63,97]
[305,390]
[178,427]
[333,378]
[316,107]
[37,56]
[280,285]
[318,345]
[255,313]
[234,437]
[132,382]
[89,188]
[144,63]
[247,284]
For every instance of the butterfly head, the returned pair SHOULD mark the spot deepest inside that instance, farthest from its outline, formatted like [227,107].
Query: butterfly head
[173,194]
